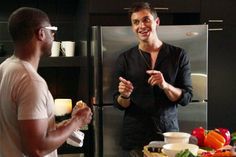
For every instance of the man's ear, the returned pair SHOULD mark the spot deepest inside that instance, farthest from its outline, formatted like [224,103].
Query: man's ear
[158,21]
[40,34]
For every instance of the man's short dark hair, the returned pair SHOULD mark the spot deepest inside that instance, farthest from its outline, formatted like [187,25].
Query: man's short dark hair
[24,21]
[137,6]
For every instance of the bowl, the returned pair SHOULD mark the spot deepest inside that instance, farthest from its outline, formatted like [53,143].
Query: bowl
[176,137]
[155,146]
[172,149]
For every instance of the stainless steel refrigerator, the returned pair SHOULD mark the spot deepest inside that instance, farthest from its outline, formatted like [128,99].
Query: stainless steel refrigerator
[107,42]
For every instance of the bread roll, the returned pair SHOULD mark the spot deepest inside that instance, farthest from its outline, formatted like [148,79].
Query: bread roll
[79,105]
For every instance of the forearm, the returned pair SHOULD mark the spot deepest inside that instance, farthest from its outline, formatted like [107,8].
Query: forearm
[172,92]
[39,140]
[57,137]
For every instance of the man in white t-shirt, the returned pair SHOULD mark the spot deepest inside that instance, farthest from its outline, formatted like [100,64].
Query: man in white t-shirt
[27,124]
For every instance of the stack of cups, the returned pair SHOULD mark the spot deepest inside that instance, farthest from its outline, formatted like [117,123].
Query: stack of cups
[66,47]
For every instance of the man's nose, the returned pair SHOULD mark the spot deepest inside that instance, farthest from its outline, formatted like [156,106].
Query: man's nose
[141,24]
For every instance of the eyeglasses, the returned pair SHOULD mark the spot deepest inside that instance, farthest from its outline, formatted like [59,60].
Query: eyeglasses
[53,29]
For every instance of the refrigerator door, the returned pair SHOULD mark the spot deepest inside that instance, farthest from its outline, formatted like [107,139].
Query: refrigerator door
[108,42]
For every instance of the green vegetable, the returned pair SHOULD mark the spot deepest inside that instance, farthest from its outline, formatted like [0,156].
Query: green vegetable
[184,153]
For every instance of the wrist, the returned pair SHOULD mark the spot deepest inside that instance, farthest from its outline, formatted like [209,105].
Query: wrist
[166,87]
[123,102]
[125,97]
[77,122]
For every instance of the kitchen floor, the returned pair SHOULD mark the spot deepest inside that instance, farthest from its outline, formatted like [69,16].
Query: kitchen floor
[71,155]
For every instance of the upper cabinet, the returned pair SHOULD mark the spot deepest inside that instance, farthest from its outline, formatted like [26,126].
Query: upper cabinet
[221,20]
[115,12]
[121,6]
[214,13]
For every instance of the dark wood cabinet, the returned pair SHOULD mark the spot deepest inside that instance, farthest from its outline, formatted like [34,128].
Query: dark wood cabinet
[121,6]
[214,13]
[171,12]
[221,62]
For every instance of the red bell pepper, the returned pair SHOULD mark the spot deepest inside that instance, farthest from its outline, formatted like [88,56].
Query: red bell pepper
[199,133]
[226,134]
[214,140]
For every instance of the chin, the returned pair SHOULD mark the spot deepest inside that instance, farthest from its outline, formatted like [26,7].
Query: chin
[46,54]
[143,39]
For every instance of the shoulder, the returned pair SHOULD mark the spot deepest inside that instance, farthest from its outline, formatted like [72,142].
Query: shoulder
[129,52]
[173,48]
[174,51]
[23,72]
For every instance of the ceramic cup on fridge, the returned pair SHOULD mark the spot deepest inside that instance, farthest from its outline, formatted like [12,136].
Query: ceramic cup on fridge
[55,51]
[68,48]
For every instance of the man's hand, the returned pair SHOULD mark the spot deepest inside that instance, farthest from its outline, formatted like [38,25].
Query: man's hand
[83,115]
[156,78]
[125,87]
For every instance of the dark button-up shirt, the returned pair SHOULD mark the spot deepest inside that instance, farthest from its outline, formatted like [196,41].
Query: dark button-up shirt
[151,112]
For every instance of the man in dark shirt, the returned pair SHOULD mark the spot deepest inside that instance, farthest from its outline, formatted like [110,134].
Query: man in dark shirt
[152,78]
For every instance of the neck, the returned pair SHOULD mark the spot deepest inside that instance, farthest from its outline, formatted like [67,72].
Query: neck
[151,47]
[29,54]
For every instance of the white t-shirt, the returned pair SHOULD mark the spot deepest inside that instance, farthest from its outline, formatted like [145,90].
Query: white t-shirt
[24,95]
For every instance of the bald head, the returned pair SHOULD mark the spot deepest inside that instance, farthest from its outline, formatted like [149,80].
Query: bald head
[24,21]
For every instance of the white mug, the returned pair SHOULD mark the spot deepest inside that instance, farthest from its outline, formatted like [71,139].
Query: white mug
[55,51]
[68,48]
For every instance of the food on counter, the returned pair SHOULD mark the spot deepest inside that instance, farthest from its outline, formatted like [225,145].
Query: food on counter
[213,143]
[217,153]
[226,134]
[172,149]
[185,153]
[151,151]
[214,140]
[199,133]
[233,138]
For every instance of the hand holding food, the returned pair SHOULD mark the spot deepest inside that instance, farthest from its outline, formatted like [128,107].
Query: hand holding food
[83,113]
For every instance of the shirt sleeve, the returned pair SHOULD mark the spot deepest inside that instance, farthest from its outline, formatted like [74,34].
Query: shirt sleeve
[31,100]
[184,79]
[120,67]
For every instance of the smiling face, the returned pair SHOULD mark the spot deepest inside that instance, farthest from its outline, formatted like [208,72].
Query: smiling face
[144,25]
